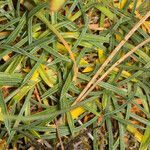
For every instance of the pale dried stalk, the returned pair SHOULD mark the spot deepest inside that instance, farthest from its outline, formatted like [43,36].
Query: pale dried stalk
[88,133]
[58,134]
[114,65]
[67,46]
[55,5]
[114,52]
[64,42]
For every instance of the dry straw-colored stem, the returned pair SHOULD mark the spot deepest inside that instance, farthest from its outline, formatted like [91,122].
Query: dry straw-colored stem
[64,42]
[114,52]
[58,134]
[114,65]
[75,68]
[55,5]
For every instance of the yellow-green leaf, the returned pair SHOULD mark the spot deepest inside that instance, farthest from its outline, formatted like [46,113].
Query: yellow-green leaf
[1,115]
[55,5]
[77,112]
[48,76]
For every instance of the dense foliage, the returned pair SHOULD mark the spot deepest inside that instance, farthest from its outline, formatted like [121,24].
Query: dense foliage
[50,51]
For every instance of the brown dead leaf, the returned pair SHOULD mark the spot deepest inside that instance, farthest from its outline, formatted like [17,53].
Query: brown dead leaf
[2,144]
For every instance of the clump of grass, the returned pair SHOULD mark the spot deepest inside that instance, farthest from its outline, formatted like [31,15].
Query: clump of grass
[74,74]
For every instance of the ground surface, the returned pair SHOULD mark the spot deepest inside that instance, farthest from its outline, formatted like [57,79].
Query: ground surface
[50,51]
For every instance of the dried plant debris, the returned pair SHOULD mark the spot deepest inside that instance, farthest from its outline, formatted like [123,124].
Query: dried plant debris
[75,74]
